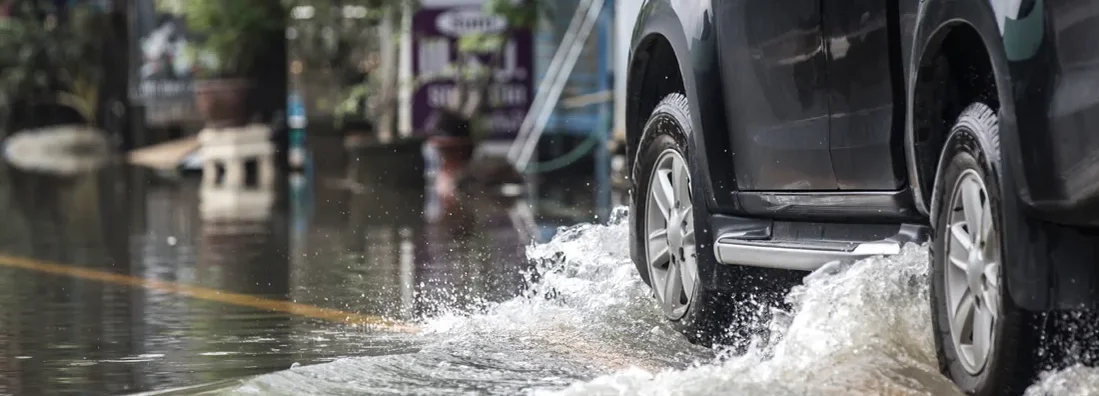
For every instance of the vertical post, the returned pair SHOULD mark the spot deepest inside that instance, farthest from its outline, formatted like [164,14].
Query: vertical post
[266,168]
[209,172]
[606,81]
[405,73]
[274,83]
[388,69]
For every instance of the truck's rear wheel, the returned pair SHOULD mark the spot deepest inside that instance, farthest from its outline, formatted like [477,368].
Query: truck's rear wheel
[985,344]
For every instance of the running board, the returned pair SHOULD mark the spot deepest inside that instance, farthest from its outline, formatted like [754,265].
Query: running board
[740,248]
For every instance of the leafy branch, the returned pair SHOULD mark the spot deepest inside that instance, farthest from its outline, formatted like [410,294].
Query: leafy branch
[46,54]
[233,33]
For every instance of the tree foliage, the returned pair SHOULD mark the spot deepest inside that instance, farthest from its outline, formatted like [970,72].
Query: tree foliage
[328,33]
[232,33]
[47,55]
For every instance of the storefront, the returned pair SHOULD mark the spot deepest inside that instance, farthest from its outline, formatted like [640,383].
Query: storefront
[162,75]
[161,79]
[435,31]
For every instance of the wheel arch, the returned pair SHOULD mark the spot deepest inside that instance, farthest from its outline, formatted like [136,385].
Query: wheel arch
[967,35]
[954,69]
[674,44]
[652,57]
[674,47]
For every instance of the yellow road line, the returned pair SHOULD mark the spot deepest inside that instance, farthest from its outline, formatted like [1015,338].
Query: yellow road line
[202,293]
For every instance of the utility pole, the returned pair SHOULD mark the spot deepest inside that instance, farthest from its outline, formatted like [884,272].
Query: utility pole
[387,120]
[113,108]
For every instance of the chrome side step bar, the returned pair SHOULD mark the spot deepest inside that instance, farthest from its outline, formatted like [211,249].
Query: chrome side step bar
[736,249]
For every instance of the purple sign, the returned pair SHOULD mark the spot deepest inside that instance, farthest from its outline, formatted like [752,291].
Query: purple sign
[435,34]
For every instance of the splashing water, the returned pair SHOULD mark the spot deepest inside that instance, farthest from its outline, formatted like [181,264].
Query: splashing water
[588,326]
[1075,380]
[856,328]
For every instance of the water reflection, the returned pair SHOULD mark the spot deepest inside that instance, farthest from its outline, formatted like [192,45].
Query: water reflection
[361,235]
[67,149]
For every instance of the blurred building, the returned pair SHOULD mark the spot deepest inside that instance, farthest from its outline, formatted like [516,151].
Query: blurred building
[160,76]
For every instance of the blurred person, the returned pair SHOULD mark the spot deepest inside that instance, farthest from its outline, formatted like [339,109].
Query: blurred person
[449,137]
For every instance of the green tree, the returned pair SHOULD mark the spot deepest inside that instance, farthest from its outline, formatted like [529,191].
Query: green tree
[328,39]
[48,57]
[233,33]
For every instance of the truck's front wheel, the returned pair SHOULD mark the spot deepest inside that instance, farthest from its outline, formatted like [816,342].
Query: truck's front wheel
[666,226]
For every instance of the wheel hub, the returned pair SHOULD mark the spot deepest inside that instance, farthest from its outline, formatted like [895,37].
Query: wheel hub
[675,234]
[975,272]
[669,225]
[972,273]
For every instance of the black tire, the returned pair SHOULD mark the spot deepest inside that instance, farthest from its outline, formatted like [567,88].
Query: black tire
[667,127]
[714,308]
[974,145]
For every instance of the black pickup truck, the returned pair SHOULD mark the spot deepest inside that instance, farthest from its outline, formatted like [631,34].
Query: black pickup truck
[770,137]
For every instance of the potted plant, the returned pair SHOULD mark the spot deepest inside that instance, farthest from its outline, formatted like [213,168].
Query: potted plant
[232,35]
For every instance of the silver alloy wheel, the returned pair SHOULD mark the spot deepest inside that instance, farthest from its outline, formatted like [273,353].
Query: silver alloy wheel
[973,272]
[670,242]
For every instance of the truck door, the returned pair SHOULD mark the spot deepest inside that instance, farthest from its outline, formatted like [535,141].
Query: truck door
[773,70]
[864,94]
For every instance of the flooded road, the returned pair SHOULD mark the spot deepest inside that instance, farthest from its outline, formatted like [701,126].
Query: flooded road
[588,327]
[122,281]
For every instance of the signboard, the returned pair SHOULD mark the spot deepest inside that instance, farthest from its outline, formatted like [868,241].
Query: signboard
[435,31]
[162,76]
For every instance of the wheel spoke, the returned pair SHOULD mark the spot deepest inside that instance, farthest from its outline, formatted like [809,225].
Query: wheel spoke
[689,276]
[958,263]
[992,294]
[659,256]
[689,229]
[971,205]
[660,235]
[680,180]
[663,194]
[992,273]
[962,239]
[673,288]
[982,333]
[963,313]
[992,301]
